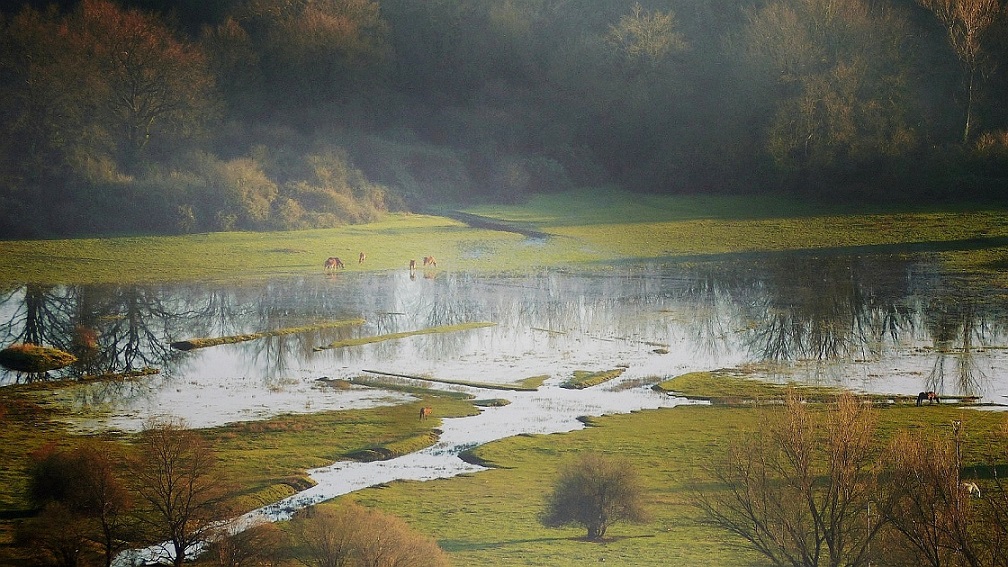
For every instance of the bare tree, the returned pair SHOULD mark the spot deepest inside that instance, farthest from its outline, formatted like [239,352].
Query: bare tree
[258,546]
[178,485]
[84,496]
[966,22]
[646,35]
[595,491]
[354,536]
[804,493]
[943,515]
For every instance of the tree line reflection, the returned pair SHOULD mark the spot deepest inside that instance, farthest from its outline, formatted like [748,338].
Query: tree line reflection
[771,309]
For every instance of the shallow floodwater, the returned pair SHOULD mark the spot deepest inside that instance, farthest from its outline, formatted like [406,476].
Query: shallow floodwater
[879,324]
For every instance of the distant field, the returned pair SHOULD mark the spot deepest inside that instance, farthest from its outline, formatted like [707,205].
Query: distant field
[586,228]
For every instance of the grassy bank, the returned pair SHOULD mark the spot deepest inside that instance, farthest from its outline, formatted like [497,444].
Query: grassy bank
[492,518]
[594,228]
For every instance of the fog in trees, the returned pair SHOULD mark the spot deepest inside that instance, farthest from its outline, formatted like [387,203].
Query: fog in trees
[126,116]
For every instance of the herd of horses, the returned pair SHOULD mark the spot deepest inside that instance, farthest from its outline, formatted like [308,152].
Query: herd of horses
[334,263]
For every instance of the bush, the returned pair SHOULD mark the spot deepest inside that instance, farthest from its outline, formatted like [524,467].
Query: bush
[594,492]
[354,536]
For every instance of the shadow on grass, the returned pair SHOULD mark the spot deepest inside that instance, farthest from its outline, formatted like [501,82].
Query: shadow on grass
[457,545]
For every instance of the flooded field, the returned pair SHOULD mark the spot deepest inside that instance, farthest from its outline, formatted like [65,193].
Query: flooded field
[873,324]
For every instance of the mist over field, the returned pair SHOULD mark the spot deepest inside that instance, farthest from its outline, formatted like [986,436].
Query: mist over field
[148,116]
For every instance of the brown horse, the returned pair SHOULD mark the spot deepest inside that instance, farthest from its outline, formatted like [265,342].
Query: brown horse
[429,261]
[425,412]
[931,397]
[333,263]
[360,260]
[412,265]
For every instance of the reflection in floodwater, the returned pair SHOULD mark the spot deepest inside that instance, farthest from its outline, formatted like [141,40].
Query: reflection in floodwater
[867,323]
[870,323]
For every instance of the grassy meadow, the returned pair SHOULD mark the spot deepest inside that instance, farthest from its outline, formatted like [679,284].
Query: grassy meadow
[587,229]
[491,518]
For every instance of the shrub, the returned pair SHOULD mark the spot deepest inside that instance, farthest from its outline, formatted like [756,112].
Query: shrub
[594,492]
[354,536]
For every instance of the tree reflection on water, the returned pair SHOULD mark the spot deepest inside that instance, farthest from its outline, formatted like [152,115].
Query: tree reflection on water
[782,309]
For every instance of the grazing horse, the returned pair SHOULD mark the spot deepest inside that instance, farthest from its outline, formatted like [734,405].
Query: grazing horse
[333,263]
[972,489]
[931,397]
[429,261]
[360,260]
[425,412]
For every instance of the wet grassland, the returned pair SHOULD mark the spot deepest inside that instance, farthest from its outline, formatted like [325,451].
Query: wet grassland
[491,518]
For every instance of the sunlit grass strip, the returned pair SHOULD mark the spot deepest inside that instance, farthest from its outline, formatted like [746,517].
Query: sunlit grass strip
[527,385]
[585,228]
[391,383]
[729,387]
[405,334]
[209,342]
[533,382]
[397,449]
[586,379]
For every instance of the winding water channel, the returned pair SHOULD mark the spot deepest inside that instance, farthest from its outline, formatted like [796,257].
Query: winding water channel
[882,324]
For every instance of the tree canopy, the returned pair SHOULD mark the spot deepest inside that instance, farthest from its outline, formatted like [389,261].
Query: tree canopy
[125,116]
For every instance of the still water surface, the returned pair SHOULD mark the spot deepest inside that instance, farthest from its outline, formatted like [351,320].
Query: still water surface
[871,323]
[876,324]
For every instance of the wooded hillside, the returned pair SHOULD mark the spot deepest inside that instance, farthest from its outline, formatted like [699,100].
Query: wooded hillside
[159,116]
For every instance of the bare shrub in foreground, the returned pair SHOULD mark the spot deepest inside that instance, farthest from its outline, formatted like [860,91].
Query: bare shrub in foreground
[355,536]
[803,492]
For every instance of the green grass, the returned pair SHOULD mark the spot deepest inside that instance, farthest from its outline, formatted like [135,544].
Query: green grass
[490,518]
[588,229]
[587,378]
[733,388]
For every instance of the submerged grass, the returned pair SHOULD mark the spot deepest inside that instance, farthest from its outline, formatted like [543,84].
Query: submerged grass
[358,341]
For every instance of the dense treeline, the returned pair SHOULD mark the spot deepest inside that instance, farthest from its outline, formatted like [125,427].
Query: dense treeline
[181,116]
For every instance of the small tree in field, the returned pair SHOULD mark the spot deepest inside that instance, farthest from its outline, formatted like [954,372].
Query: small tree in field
[179,488]
[594,492]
